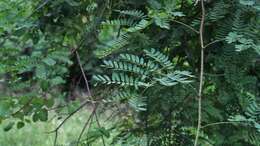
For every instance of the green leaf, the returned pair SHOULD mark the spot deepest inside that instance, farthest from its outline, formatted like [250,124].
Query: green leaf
[43,115]
[24,99]
[162,22]
[2,68]
[154,4]
[35,117]
[49,61]
[20,125]
[41,72]
[37,102]
[178,14]
[27,120]
[73,106]
[9,126]
[45,85]
[104,132]
[5,108]
[233,37]
[57,80]
[247,2]
[49,102]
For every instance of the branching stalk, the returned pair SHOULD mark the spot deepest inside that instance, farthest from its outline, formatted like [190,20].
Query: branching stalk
[213,42]
[201,72]
[90,95]
[191,28]
[221,123]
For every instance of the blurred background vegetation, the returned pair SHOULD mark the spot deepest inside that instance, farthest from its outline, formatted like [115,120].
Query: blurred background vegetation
[126,72]
[38,134]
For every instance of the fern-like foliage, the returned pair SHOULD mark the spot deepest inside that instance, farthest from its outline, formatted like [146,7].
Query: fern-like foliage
[124,66]
[111,46]
[218,12]
[242,43]
[139,61]
[160,58]
[120,79]
[123,95]
[133,13]
[124,26]
[119,22]
[174,78]
[141,72]
[251,119]
[153,88]
[139,26]
[138,103]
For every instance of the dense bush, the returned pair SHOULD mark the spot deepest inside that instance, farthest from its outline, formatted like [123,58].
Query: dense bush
[171,72]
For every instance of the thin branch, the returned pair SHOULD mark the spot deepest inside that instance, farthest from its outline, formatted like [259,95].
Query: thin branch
[86,124]
[201,72]
[81,41]
[191,28]
[221,123]
[55,137]
[89,92]
[99,125]
[214,75]
[83,73]
[74,50]
[65,105]
[213,42]
[23,107]
[68,117]
[113,114]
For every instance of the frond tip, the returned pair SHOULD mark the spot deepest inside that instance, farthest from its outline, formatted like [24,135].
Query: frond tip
[112,46]
[120,79]
[174,78]
[160,58]
[133,13]
[124,66]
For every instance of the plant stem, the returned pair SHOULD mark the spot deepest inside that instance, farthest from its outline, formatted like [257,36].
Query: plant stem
[201,73]
[213,42]
[191,28]
[221,123]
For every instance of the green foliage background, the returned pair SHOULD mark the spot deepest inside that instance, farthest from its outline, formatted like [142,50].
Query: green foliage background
[143,60]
